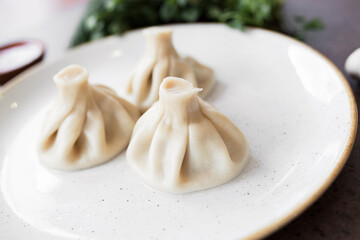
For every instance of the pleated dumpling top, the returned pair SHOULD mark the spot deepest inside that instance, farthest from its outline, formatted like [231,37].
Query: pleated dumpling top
[162,60]
[87,124]
[183,144]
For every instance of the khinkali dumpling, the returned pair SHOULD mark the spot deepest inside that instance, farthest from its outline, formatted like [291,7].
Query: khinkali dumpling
[161,60]
[87,125]
[183,144]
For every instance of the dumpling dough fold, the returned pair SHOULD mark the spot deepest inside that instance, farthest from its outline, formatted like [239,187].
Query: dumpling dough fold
[183,144]
[87,125]
[162,60]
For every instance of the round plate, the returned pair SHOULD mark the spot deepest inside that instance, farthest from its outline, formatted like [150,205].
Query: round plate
[295,108]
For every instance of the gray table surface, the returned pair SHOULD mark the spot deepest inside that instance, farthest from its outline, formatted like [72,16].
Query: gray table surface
[336,215]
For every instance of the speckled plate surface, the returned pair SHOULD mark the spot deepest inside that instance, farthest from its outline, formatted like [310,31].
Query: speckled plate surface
[295,108]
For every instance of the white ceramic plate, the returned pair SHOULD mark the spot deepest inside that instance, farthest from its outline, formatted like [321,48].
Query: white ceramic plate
[295,108]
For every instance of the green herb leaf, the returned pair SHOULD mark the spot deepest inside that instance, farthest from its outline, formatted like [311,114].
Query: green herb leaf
[314,24]
[105,17]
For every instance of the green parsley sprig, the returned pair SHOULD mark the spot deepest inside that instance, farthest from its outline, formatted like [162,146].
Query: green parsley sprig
[108,17]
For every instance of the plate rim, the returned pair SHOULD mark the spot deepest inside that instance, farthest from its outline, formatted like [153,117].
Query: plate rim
[300,208]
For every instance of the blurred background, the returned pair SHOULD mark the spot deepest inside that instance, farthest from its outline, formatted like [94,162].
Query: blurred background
[330,26]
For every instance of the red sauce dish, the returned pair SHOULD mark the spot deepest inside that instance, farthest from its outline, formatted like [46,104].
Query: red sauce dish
[18,56]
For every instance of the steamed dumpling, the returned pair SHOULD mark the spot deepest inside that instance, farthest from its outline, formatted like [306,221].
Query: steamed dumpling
[183,144]
[87,125]
[161,60]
